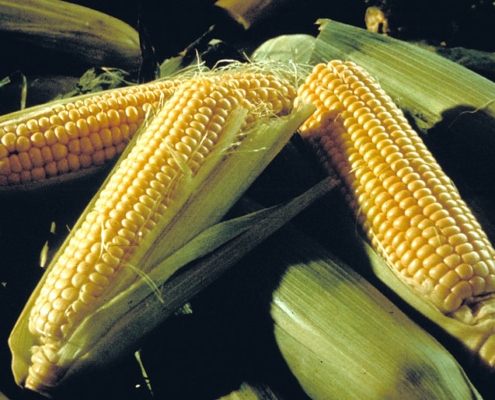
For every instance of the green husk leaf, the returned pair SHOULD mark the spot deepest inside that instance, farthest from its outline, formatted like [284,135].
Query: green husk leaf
[295,48]
[421,82]
[343,339]
[250,391]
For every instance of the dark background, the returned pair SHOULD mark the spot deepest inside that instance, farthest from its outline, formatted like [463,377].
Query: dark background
[226,340]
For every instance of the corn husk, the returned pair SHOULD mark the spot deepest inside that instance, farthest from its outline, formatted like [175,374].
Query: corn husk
[248,12]
[136,305]
[343,339]
[248,391]
[339,336]
[86,35]
[297,48]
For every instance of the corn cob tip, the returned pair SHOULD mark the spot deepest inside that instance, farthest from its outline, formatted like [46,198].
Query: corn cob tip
[67,138]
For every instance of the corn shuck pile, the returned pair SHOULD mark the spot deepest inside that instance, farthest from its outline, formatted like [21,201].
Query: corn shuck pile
[185,151]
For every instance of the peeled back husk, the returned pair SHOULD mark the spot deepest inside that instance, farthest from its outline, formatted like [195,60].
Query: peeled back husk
[134,307]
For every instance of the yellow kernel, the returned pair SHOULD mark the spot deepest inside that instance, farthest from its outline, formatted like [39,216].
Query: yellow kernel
[74,147]
[86,146]
[437,240]
[3,151]
[38,173]
[102,119]
[439,215]
[481,269]
[22,144]
[96,141]
[465,271]
[463,290]
[414,267]
[105,137]
[432,208]
[25,161]
[74,115]
[46,153]
[78,280]
[401,223]
[464,248]
[430,232]
[59,151]
[490,283]
[63,165]
[452,260]
[438,271]
[131,114]
[111,260]
[470,257]
[25,176]
[51,168]
[22,130]
[15,164]
[74,162]
[446,250]
[458,239]
[431,261]
[452,302]
[9,140]
[61,135]
[412,211]
[36,157]
[93,124]
[38,140]
[425,251]
[418,242]
[439,293]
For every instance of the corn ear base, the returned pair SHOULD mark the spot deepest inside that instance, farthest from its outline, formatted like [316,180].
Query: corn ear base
[104,335]
[85,34]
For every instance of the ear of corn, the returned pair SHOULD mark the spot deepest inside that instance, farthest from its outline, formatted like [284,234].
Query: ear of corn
[409,209]
[85,34]
[182,173]
[67,138]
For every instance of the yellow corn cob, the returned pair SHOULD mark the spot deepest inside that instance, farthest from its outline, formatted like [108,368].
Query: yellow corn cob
[103,253]
[72,135]
[409,209]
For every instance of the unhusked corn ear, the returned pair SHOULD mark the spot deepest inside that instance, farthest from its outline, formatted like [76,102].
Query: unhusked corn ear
[409,209]
[79,33]
[74,135]
[103,254]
